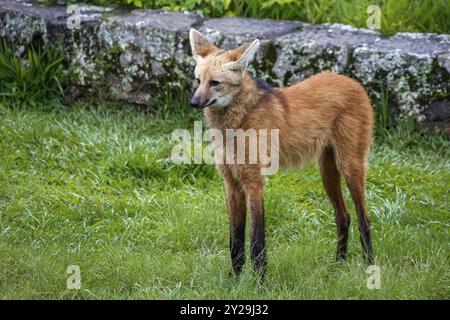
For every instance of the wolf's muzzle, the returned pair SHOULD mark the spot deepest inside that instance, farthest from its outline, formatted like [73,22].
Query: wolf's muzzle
[195,103]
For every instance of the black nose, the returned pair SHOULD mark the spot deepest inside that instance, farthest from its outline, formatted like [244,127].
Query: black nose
[195,102]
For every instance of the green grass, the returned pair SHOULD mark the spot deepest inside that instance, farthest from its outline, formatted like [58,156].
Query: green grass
[396,15]
[85,186]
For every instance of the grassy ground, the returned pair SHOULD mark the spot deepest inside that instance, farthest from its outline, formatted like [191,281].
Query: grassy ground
[83,186]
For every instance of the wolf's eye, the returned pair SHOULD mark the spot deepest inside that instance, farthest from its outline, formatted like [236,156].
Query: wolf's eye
[214,83]
[198,81]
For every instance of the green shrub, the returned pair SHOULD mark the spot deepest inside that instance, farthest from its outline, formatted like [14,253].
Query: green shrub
[37,76]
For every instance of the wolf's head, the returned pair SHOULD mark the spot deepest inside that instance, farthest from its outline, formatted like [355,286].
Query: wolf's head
[219,73]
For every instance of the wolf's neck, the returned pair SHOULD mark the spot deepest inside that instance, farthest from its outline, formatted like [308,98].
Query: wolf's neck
[231,117]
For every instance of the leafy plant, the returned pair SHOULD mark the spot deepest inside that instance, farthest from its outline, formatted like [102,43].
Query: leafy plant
[37,76]
[382,116]
[136,3]
[396,16]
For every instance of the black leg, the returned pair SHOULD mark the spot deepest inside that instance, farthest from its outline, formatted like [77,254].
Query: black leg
[236,216]
[356,187]
[258,244]
[331,179]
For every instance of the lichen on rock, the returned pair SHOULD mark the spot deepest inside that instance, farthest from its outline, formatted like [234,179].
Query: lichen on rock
[133,54]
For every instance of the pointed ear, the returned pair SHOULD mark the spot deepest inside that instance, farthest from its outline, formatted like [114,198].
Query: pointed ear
[201,47]
[243,55]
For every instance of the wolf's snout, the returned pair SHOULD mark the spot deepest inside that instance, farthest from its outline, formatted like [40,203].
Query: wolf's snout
[195,102]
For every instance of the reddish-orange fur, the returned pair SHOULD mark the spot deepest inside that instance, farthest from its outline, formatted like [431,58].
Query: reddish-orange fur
[327,118]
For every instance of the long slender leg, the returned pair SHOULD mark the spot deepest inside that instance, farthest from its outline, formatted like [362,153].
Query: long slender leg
[331,179]
[255,203]
[236,216]
[352,139]
[355,183]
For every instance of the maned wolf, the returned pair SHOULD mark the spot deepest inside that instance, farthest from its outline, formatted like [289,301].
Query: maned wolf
[327,117]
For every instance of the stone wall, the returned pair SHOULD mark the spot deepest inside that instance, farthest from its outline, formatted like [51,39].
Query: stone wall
[132,54]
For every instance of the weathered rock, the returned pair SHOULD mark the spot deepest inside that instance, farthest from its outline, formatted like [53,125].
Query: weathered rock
[134,54]
[152,49]
[231,32]
[438,117]
[439,111]
[24,23]
[317,48]
[405,66]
